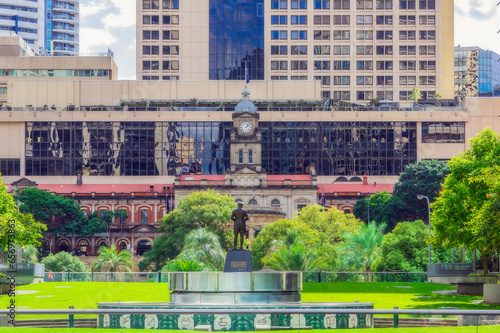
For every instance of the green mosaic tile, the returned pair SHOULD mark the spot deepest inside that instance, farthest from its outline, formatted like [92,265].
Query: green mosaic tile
[168,322]
[137,321]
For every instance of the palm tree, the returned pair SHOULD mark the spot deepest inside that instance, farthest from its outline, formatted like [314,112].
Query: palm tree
[296,257]
[205,247]
[112,261]
[360,249]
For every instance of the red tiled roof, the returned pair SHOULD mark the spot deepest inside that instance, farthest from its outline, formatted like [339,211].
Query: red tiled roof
[291,177]
[354,188]
[105,188]
[202,177]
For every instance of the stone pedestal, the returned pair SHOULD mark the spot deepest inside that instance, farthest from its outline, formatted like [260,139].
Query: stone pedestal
[238,261]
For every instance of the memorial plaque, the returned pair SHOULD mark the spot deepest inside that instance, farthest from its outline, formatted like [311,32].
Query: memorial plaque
[238,261]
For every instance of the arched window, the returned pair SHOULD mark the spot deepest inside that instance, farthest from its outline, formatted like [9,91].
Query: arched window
[275,203]
[250,156]
[252,202]
[240,156]
[239,200]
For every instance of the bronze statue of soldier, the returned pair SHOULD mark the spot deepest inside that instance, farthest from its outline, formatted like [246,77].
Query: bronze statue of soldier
[239,216]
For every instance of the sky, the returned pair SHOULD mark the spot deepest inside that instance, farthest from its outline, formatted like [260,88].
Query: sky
[111,24]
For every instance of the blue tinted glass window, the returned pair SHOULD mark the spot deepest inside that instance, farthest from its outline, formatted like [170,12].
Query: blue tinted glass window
[317,4]
[303,19]
[283,50]
[303,4]
[303,34]
[274,4]
[175,4]
[283,4]
[294,19]
[283,19]
[294,34]
[274,19]
[237,40]
[326,4]
[283,34]
[294,4]
[275,34]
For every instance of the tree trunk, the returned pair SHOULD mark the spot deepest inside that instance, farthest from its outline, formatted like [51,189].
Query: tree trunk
[485,264]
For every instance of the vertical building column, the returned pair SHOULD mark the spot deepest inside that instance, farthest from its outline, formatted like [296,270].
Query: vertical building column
[93,250]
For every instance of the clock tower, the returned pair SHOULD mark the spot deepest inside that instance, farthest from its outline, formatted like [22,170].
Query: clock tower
[246,145]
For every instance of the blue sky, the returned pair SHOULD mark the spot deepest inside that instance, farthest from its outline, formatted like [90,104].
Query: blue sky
[111,23]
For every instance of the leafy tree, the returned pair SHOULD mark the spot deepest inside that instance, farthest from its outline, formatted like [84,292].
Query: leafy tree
[205,247]
[110,260]
[404,249]
[16,228]
[415,95]
[332,222]
[191,265]
[360,249]
[468,209]
[203,209]
[384,208]
[276,232]
[422,178]
[63,262]
[45,205]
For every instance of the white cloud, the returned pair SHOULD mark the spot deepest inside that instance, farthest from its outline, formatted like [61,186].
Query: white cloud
[91,38]
[92,8]
[124,18]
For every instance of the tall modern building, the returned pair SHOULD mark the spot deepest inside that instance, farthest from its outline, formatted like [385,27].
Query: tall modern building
[62,27]
[358,50]
[477,72]
[48,26]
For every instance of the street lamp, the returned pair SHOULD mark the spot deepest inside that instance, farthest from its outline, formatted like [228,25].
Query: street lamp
[420,197]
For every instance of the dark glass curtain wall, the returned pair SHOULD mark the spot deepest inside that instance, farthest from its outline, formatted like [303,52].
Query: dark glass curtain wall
[236,39]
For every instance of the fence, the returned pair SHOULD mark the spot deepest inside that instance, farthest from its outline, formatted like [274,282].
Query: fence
[469,317]
[307,277]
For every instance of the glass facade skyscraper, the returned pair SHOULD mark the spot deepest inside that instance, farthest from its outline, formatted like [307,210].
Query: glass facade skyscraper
[477,72]
[236,39]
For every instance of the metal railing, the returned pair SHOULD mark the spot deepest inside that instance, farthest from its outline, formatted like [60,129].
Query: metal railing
[307,277]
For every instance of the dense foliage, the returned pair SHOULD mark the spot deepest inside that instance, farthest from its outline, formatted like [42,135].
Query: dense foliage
[203,209]
[63,262]
[48,208]
[404,249]
[110,260]
[16,228]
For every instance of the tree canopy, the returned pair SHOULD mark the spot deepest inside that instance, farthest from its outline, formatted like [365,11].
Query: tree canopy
[467,211]
[204,209]
[205,247]
[63,262]
[422,178]
[16,228]
[404,249]
[318,229]
[44,205]
[110,260]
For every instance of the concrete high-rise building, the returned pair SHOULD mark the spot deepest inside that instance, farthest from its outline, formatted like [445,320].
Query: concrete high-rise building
[359,50]
[477,72]
[48,26]
[24,18]
[62,27]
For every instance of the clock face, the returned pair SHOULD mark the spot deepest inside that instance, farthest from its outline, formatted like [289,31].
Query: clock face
[245,127]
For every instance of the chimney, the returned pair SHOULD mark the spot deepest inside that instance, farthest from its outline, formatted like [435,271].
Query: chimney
[365,180]
[79,176]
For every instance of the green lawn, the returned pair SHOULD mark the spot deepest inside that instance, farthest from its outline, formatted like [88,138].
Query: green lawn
[480,329]
[387,295]
[384,295]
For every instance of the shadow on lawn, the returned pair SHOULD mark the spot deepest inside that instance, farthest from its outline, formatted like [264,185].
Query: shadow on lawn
[440,301]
